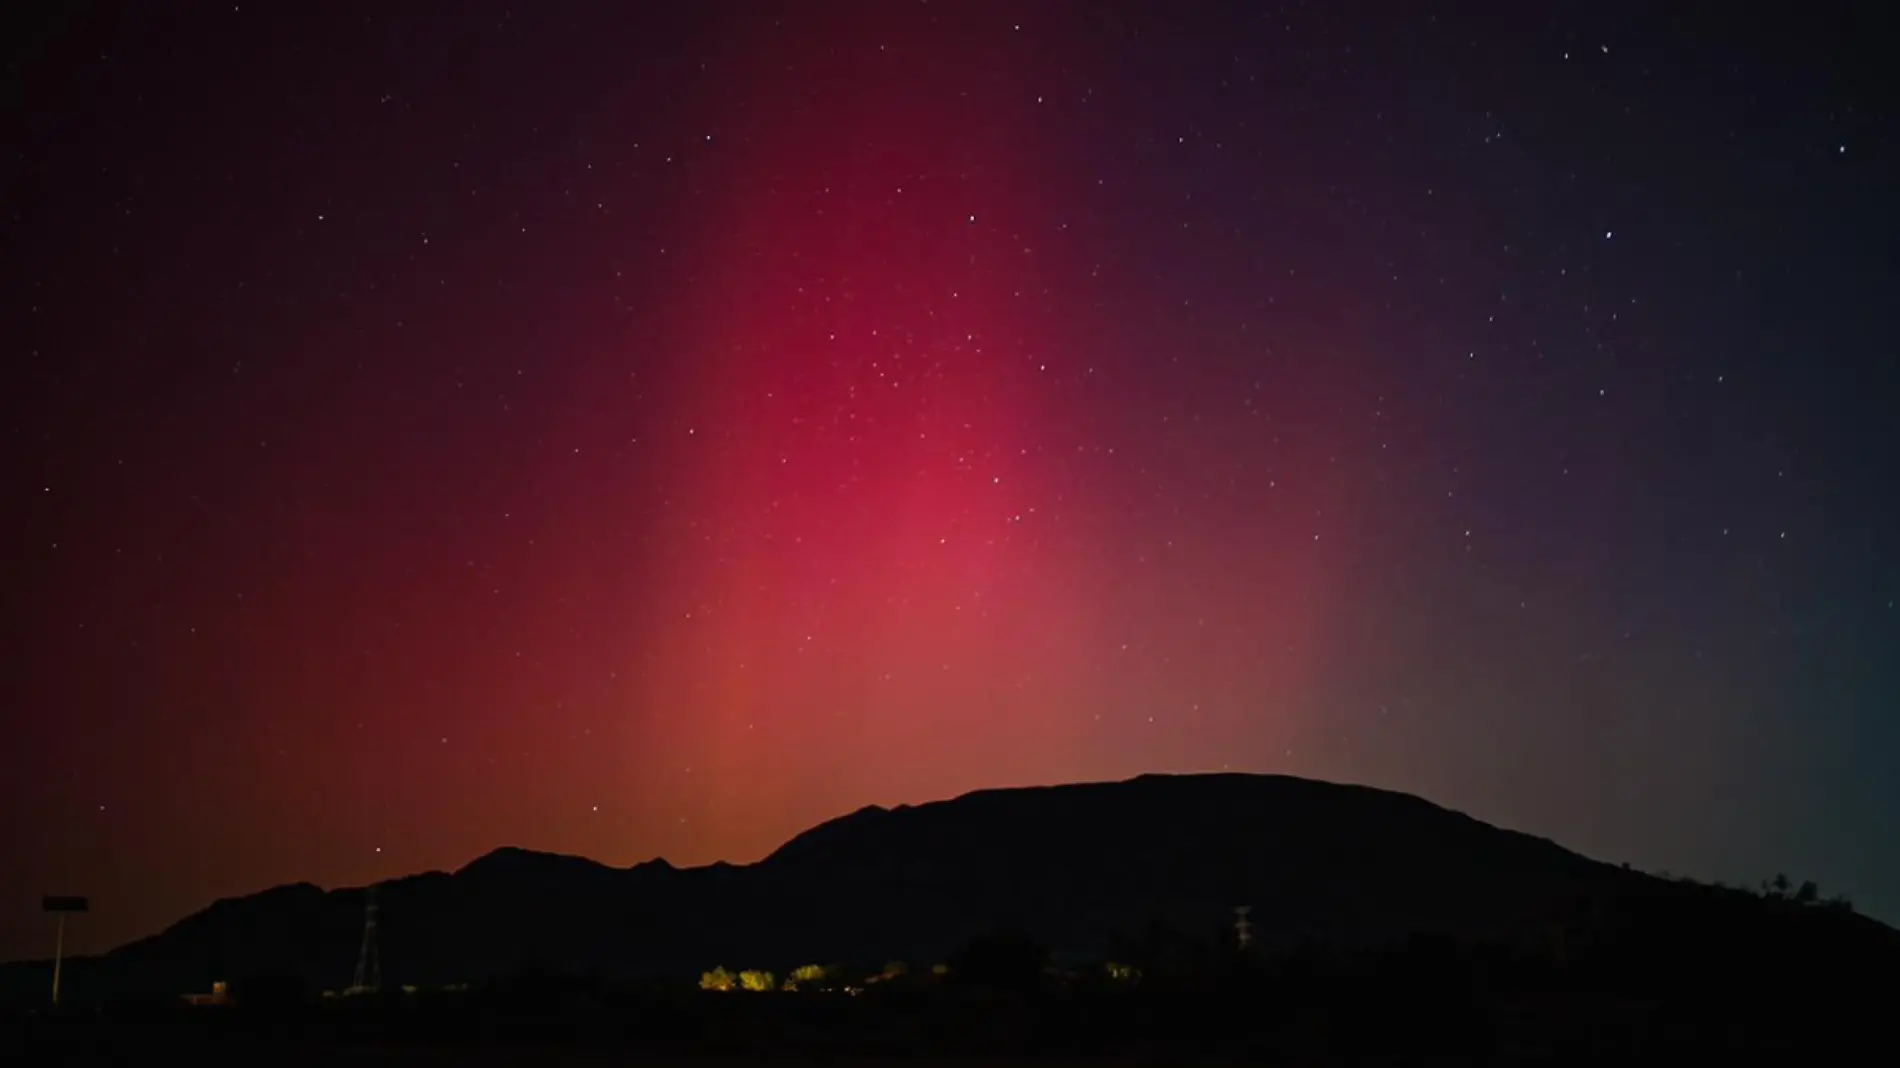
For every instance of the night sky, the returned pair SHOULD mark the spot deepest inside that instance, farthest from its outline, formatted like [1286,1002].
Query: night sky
[635,431]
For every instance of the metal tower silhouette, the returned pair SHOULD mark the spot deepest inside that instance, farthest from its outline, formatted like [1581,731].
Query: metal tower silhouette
[369,964]
[62,907]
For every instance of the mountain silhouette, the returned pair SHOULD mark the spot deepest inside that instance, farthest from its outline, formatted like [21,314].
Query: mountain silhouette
[1078,867]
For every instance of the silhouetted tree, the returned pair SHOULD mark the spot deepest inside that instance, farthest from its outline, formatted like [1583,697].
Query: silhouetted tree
[270,992]
[1167,957]
[1000,960]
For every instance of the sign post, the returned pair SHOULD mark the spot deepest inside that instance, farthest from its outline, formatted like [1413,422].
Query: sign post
[61,907]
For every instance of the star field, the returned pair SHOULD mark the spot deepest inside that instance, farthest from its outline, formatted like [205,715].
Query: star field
[640,430]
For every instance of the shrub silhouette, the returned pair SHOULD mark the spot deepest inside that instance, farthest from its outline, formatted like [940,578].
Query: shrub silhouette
[999,960]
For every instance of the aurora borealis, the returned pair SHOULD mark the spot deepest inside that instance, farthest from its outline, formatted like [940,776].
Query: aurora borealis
[651,432]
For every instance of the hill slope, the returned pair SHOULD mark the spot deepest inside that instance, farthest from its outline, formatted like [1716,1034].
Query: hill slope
[1074,865]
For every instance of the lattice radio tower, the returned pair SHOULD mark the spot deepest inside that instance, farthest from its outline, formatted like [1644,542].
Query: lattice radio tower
[369,964]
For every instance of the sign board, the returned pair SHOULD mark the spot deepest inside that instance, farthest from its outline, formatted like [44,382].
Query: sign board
[65,904]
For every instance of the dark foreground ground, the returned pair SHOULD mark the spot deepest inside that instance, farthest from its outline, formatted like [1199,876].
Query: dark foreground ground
[1278,1024]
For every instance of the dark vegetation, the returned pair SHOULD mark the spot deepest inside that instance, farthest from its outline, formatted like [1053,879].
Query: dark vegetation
[1385,930]
[1793,990]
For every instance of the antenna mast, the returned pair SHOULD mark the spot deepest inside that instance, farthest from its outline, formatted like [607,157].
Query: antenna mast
[62,907]
[369,964]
